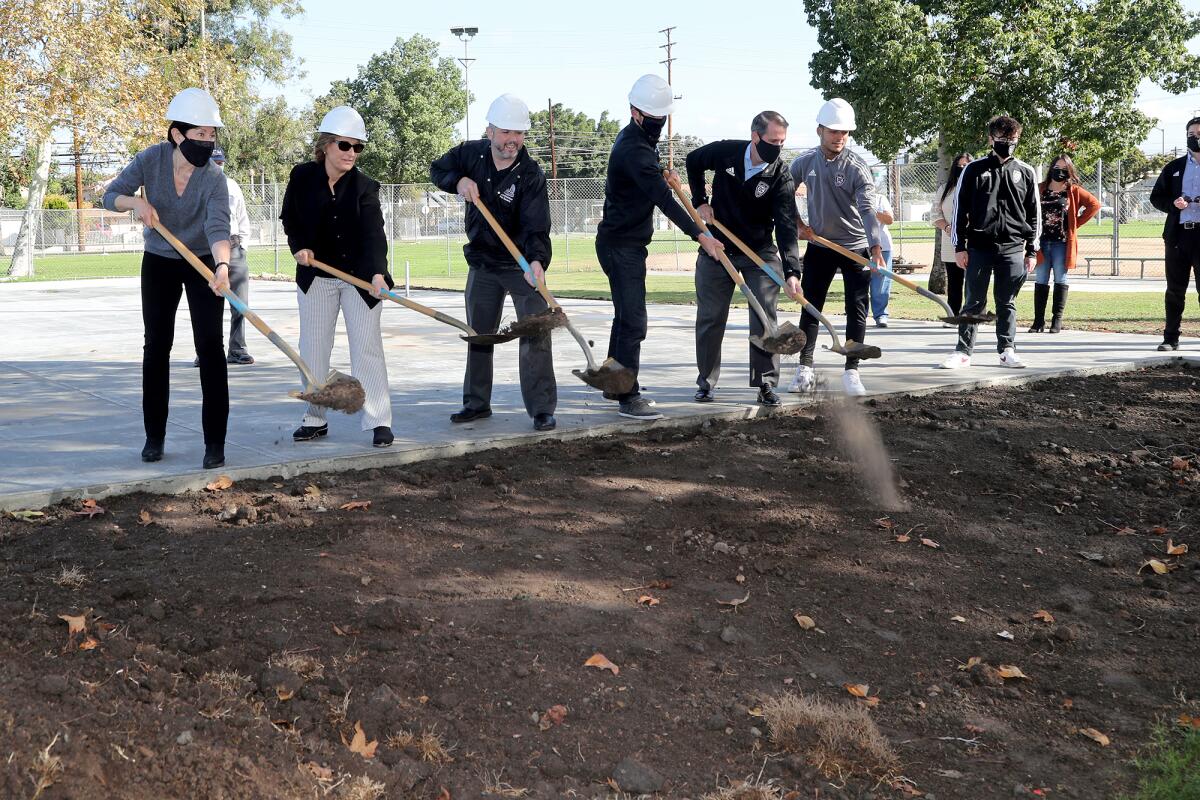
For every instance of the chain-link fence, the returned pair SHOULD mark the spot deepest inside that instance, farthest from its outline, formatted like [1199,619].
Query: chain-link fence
[425,229]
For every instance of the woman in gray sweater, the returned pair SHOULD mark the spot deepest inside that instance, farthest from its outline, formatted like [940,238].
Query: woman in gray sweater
[187,194]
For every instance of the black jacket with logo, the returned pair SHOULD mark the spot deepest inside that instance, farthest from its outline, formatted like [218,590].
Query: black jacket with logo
[997,207]
[633,187]
[1166,191]
[519,202]
[753,208]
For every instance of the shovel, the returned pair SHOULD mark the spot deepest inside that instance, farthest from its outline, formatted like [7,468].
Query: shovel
[609,376]
[340,391]
[784,339]
[471,336]
[951,317]
[852,348]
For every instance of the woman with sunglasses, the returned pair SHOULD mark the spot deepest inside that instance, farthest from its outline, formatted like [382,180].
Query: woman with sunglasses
[1066,205]
[331,212]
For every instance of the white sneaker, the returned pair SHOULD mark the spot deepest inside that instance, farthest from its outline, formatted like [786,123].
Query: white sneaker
[803,381]
[853,384]
[1010,359]
[955,360]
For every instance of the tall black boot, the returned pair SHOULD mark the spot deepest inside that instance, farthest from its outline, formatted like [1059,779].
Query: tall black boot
[1060,305]
[1041,291]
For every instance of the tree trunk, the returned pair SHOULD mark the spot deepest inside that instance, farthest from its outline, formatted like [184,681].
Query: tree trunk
[937,270]
[22,260]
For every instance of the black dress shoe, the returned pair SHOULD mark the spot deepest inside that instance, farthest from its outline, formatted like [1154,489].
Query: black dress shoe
[703,396]
[544,422]
[767,396]
[306,433]
[470,414]
[153,451]
[1165,346]
[214,456]
[383,436]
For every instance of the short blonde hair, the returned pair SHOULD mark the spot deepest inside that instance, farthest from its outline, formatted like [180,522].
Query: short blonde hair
[323,141]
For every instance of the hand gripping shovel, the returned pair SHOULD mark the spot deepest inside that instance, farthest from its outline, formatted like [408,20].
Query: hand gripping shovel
[471,336]
[609,376]
[784,339]
[340,391]
[951,317]
[854,349]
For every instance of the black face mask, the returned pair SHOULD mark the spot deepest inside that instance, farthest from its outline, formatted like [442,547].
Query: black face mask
[1194,144]
[653,127]
[1003,149]
[196,152]
[1059,174]
[768,152]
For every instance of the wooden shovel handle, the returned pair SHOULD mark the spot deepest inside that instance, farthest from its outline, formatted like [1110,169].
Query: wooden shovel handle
[674,183]
[515,252]
[404,301]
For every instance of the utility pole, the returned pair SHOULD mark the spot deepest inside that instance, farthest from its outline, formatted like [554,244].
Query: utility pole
[465,35]
[669,60]
[553,157]
[78,188]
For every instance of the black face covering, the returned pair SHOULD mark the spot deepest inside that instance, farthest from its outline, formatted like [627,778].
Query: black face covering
[196,152]
[1194,144]
[1059,174]
[768,152]
[1003,149]
[653,127]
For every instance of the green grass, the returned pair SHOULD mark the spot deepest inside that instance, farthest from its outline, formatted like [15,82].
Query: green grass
[1137,229]
[1169,768]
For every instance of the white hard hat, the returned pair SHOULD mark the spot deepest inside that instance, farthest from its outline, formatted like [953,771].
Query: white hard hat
[344,121]
[509,113]
[836,115]
[652,95]
[195,107]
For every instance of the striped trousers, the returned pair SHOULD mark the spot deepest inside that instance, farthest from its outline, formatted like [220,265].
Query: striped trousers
[319,308]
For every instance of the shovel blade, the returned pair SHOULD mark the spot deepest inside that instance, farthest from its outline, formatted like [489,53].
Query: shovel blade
[858,350]
[786,340]
[490,338]
[971,319]
[610,377]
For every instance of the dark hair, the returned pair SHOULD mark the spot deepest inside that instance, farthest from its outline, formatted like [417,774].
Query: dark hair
[1007,127]
[1191,122]
[323,141]
[763,119]
[182,127]
[1072,173]
[955,172]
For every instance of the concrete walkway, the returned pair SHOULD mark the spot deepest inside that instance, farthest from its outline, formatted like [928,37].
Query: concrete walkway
[70,412]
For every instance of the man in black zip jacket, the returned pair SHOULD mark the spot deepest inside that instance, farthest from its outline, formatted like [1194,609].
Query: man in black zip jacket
[997,228]
[498,172]
[753,195]
[633,187]
[1177,194]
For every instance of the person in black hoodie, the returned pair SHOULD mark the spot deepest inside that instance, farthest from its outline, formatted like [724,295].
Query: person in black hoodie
[753,195]
[331,212]
[633,186]
[996,230]
[1177,194]
[498,172]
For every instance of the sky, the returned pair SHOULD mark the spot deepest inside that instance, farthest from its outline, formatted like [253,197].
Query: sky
[587,55]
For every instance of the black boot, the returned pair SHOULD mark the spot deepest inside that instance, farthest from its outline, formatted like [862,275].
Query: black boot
[1060,305]
[1041,291]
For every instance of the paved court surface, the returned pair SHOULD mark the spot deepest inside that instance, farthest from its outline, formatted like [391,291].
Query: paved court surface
[70,414]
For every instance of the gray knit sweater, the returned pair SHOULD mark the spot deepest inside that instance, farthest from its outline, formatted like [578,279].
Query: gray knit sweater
[199,219]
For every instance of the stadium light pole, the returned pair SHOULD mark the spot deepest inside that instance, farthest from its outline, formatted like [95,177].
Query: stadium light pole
[465,35]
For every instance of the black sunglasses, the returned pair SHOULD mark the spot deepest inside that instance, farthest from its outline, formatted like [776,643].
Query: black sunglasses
[345,146]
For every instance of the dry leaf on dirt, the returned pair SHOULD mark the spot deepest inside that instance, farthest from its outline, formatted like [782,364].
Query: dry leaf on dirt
[26,515]
[886,523]
[89,643]
[1158,530]
[1009,671]
[972,661]
[1096,736]
[958,618]
[359,743]
[1043,615]
[857,689]
[1126,531]
[444,794]
[647,600]
[284,693]
[555,715]
[355,504]
[659,584]
[735,601]
[1068,704]
[807,623]
[317,771]
[1188,721]
[75,624]
[902,538]
[312,491]
[1176,549]
[600,662]
[144,518]
[90,508]
[930,543]
[1159,567]
[346,631]
[222,483]
[1179,463]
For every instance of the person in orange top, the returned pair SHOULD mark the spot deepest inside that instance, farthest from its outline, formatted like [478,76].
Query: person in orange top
[1065,206]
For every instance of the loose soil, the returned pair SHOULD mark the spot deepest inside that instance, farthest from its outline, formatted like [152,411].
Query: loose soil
[234,638]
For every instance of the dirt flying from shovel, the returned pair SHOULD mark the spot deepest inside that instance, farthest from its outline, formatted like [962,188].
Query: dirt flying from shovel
[864,445]
[343,394]
[609,377]
[788,340]
[536,324]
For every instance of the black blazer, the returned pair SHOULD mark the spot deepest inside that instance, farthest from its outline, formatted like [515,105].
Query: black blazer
[1167,189]
[343,228]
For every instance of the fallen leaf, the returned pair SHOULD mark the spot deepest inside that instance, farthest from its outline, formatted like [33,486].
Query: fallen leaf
[647,600]
[740,579]
[1006,635]
[1159,567]
[1188,721]
[807,623]
[144,518]
[1095,736]
[1158,530]
[89,644]
[90,508]
[1126,531]
[600,662]
[958,618]
[222,483]
[755,712]
[312,491]
[1043,615]
[735,602]
[930,543]
[1009,671]
[1178,463]
[75,624]
[1176,549]
[355,504]
[1068,704]
[557,714]
[902,538]
[886,523]
[444,794]
[359,743]
[871,701]
[283,693]
[856,689]
[659,584]
[26,515]
[972,661]
[346,631]
[317,771]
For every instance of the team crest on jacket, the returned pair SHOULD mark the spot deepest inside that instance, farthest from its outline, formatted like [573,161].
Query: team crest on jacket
[508,194]
[761,189]
[839,179]
[731,171]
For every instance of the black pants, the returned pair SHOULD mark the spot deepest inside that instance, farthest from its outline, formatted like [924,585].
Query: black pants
[486,290]
[714,290]
[954,285]
[1183,260]
[163,281]
[625,267]
[820,265]
[1008,271]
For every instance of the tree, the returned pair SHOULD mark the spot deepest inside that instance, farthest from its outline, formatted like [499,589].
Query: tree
[581,143]
[410,99]
[267,137]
